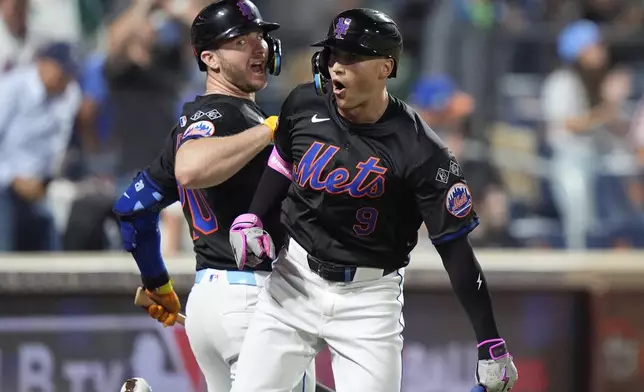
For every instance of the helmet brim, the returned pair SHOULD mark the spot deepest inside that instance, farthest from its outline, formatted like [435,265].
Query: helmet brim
[347,46]
[265,27]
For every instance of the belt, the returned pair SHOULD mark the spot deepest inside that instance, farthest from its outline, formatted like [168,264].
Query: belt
[247,278]
[341,273]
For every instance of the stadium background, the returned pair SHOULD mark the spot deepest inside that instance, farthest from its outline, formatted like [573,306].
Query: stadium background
[568,291]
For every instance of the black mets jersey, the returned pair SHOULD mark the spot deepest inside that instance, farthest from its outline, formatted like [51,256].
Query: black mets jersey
[360,193]
[210,212]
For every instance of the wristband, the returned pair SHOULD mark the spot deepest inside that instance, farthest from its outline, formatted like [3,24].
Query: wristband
[492,349]
[155,283]
[271,122]
[165,289]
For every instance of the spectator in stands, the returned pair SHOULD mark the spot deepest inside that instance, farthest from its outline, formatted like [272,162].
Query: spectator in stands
[446,109]
[93,124]
[38,104]
[461,39]
[16,46]
[578,105]
[144,69]
[636,185]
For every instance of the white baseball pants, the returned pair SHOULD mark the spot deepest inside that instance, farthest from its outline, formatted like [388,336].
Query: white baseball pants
[218,311]
[299,312]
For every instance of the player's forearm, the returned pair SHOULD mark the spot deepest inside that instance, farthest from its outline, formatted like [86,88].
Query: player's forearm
[207,162]
[468,282]
[271,190]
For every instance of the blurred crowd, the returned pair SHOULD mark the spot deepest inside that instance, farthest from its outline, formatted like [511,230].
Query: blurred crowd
[538,99]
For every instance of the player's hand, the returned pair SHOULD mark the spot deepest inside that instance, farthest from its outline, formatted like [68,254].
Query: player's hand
[250,242]
[271,123]
[495,370]
[167,305]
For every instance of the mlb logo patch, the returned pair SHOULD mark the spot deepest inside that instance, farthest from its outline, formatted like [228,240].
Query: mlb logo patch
[199,129]
[183,121]
[459,200]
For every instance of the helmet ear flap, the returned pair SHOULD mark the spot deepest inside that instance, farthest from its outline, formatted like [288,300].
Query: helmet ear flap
[320,69]
[274,63]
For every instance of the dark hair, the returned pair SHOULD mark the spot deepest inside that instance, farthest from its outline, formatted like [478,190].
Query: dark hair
[592,80]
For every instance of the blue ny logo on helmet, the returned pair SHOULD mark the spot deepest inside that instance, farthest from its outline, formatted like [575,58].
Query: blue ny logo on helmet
[341,27]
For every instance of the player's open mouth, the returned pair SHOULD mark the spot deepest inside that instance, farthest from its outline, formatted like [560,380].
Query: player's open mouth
[257,67]
[338,87]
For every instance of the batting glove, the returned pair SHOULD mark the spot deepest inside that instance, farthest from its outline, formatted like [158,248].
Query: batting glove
[167,305]
[495,370]
[250,242]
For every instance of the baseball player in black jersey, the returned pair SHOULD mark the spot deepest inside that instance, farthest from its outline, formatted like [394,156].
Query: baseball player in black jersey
[212,163]
[359,172]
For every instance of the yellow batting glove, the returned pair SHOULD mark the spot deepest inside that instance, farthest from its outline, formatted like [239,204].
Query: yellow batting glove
[167,305]
[271,123]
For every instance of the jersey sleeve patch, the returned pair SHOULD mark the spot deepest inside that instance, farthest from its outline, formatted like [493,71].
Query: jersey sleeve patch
[458,200]
[212,115]
[198,130]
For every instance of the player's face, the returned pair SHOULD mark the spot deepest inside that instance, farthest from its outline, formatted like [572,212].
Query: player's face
[355,78]
[242,61]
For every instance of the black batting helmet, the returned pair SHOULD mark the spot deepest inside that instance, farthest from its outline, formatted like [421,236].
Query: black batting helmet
[226,19]
[361,31]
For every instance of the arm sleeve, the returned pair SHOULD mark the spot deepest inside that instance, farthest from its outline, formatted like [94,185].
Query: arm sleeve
[443,196]
[274,184]
[282,138]
[272,189]
[470,286]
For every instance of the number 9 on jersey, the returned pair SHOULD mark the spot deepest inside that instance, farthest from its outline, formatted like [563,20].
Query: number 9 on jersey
[367,218]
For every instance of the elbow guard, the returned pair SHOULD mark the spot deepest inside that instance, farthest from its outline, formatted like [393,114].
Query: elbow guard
[143,195]
[138,212]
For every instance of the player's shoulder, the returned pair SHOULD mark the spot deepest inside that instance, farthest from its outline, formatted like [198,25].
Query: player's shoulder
[412,123]
[304,91]
[423,142]
[302,97]
[206,107]
[207,114]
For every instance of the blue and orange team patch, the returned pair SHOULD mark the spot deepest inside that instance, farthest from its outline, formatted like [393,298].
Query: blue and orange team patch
[459,200]
[200,129]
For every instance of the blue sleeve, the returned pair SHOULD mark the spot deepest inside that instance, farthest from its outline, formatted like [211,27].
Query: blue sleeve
[138,211]
[92,82]
[142,238]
